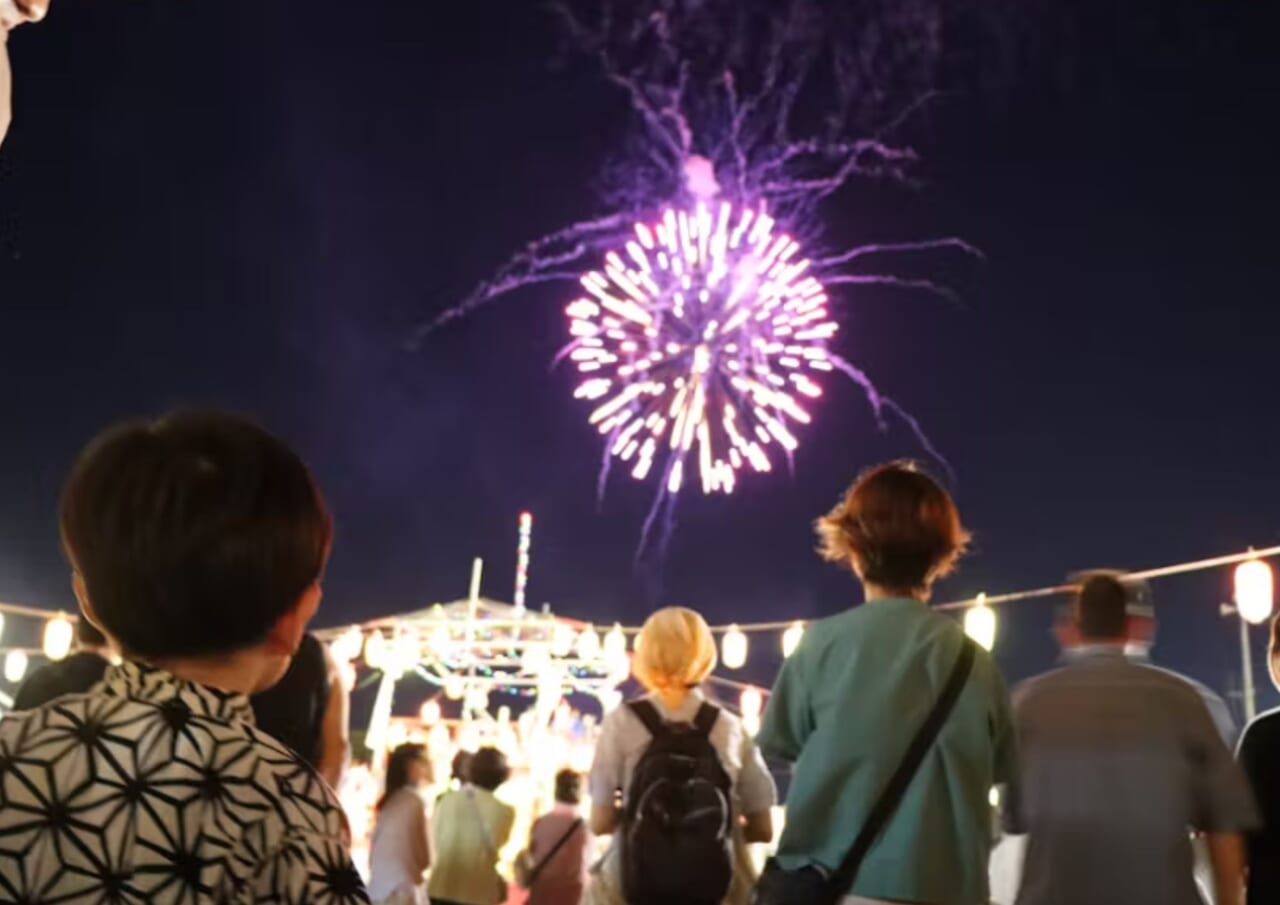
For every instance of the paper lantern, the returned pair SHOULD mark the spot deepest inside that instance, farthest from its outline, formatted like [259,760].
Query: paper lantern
[980,623]
[15,666]
[589,644]
[58,635]
[430,712]
[375,650]
[791,638]
[1255,591]
[733,650]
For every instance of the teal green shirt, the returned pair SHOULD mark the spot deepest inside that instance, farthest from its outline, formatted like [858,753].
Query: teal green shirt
[845,707]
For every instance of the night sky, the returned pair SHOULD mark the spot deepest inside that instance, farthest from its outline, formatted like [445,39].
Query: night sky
[252,205]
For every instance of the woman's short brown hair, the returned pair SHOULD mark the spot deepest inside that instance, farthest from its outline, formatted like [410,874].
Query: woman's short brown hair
[896,526]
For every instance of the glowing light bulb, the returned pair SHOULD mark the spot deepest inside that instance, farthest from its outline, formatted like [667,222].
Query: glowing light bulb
[375,650]
[430,712]
[791,638]
[615,643]
[589,644]
[58,635]
[346,647]
[441,641]
[733,650]
[534,659]
[751,702]
[980,623]
[562,640]
[1,625]
[1255,591]
[454,688]
[15,665]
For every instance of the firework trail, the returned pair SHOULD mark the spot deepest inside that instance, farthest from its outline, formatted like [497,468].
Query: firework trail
[701,328]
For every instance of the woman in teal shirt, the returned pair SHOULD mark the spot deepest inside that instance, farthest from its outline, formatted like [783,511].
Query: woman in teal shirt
[849,700]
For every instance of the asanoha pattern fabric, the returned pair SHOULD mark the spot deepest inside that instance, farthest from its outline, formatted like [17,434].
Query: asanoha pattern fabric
[151,789]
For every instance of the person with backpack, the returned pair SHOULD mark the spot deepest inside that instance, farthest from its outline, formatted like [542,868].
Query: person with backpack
[897,725]
[674,778]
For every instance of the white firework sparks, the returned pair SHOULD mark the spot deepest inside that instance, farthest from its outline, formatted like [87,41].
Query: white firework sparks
[702,337]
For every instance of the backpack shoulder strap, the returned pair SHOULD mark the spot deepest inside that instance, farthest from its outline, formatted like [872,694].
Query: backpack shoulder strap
[648,714]
[706,718]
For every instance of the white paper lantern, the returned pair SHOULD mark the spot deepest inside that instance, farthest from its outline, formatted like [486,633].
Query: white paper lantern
[15,666]
[58,635]
[562,640]
[454,688]
[430,712]
[589,644]
[346,647]
[751,702]
[791,638]
[615,643]
[1255,591]
[375,650]
[733,650]
[980,623]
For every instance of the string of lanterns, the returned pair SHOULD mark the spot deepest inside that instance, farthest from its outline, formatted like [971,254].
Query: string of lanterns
[56,640]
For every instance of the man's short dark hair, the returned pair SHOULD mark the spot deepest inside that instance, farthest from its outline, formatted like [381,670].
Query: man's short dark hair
[87,634]
[1101,608]
[569,787]
[194,533]
[488,769]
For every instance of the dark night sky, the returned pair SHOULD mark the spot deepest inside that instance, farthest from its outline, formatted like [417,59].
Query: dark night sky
[203,206]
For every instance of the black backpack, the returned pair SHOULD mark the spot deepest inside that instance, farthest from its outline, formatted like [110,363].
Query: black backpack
[677,839]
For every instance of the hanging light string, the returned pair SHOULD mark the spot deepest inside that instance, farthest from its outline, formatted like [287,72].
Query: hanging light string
[1197,565]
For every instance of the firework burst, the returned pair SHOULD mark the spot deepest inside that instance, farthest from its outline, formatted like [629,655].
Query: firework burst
[699,342]
[702,329]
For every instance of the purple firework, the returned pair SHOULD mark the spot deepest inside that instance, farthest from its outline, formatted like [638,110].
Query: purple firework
[702,324]
[701,339]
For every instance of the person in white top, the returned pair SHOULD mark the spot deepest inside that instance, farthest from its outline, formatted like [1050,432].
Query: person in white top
[401,849]
[12,14]
[675,653]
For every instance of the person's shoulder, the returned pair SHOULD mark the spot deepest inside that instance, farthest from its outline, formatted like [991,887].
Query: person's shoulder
[1029,690]
[1263,729]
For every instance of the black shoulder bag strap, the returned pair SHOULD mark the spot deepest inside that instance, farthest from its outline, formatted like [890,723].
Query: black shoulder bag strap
[705,720]
[648,714]
[891,797]
[555,850]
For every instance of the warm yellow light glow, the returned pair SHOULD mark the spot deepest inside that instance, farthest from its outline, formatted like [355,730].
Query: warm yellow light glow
[454,688]
[1255,591]
[615,643]
[791,638]
[346,647]
[733,650]
[589,644]
[562,639]
[15,666]
[980,623]
[430,712]
[375,650]
[58,635]
[751,702]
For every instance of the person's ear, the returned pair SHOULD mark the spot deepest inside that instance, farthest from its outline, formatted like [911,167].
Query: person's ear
[286,634]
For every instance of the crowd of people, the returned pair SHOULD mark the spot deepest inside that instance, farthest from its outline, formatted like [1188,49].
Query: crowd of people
[189,749]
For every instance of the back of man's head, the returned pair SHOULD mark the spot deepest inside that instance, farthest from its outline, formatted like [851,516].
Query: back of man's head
[1101,609]
[193,534]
